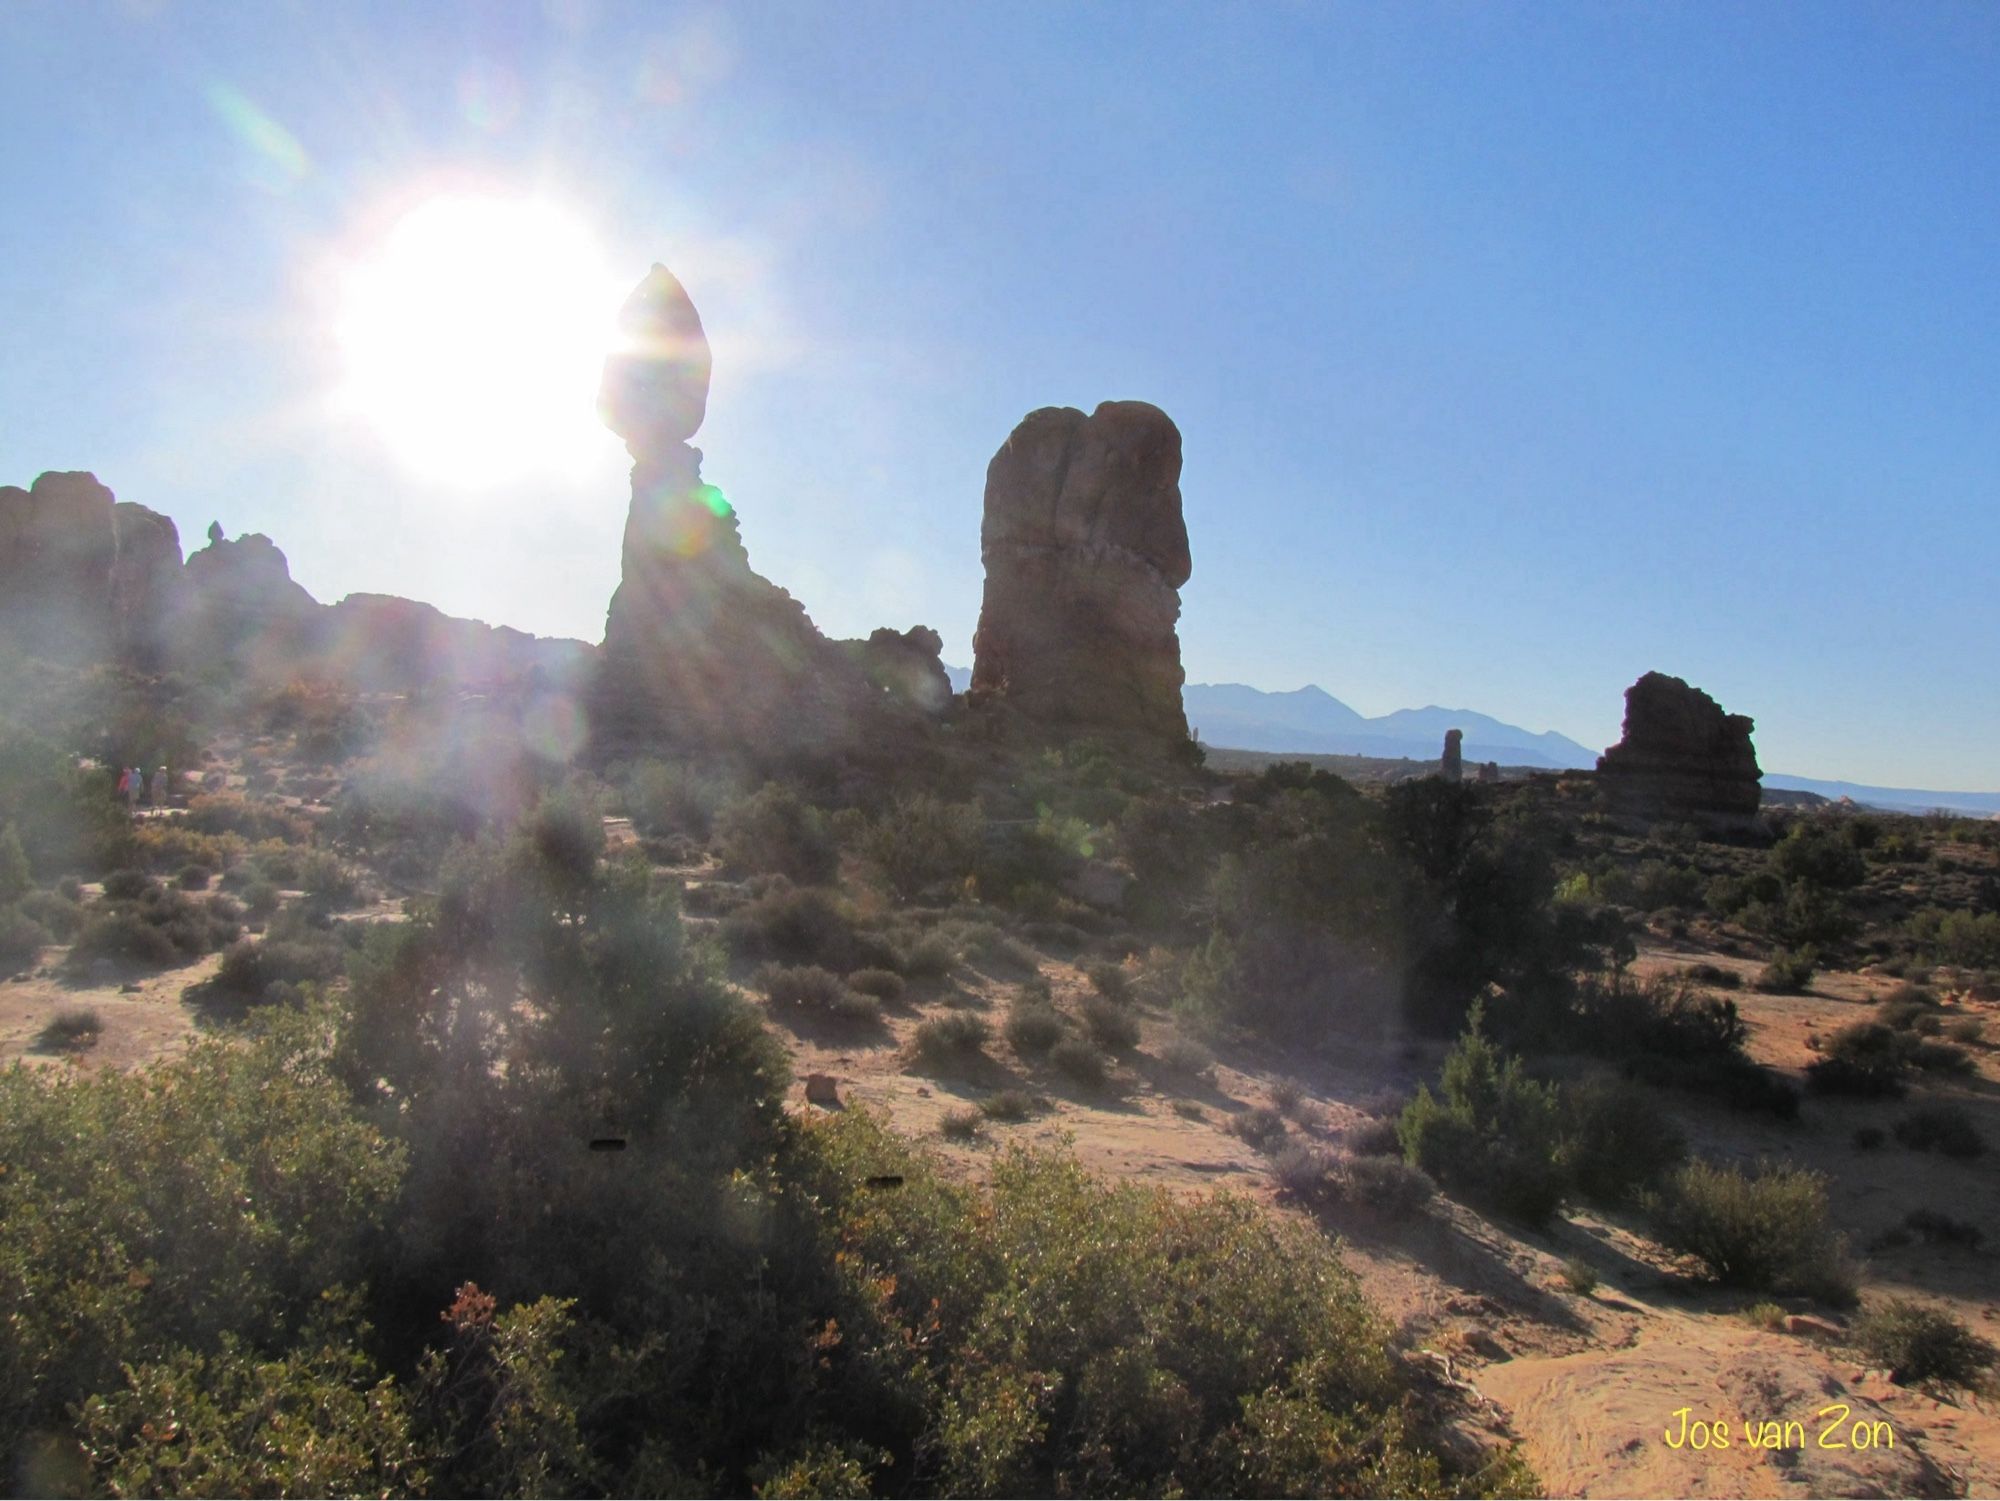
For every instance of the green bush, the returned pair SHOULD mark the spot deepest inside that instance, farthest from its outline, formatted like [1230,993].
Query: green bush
[883,984]
[960,1125]
[923,841]
[61,915]
[1386,1184]
[253,819]
[1187,1056]
[1579,1276]
[792,925]
[1917,1342]
[672,798]
[1303,1170]
[808,988]
[931,957]
[1260,1126]
[1033,1027]
[122,936]
[951,1038]
[22,939]
[15,878]
[1790,970]
[1873,1061]
[1081,1061]
[1767,1232]
[776,831]
[1110,1025]
[1941,1128]
[1491,1132]
[1616,1141]
[1007,1105]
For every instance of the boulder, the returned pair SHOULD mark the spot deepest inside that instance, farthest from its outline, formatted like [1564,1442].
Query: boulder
[1681,758]
[1085,551]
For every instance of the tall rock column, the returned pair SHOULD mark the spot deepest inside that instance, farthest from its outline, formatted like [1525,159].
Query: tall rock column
[1085,552]
[1681,757]
[698,648]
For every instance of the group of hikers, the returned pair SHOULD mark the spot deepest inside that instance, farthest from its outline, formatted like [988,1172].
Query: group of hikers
[136,787]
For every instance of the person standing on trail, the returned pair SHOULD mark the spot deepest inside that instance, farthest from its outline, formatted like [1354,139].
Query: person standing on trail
[124,783]
[156,793]
[134,785]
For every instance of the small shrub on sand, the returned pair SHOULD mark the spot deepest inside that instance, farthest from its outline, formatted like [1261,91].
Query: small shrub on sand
[1388,1185]
[931,957]
[1616,1141]
[1033,1027]
[1965,1029]
[1081,1061]
[1375,1139]
[1790,971]
[72,1029]
[952,1038]
[960,1125]
[1109,980]
[1768,1231]
[793,925]
[883,984]
[1285,1096]
[1261,1126]
[1186,1056]
[1765,1315]
[1008,1105]
[1579,1276]
[1940,1128]
[1940,1229]
[22,939]
[1303,1170]
[1918,1343]
[1110,1024]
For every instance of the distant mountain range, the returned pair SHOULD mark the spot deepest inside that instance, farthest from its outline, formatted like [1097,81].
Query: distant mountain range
[1312,721]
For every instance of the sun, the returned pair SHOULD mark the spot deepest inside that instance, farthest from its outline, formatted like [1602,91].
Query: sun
[473,333]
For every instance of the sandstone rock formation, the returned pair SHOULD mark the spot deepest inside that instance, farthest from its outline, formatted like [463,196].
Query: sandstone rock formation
[1085,552]
[698,648]
[1681,757]
[244,607]
[84,577]
[1452,766]
[907,667]
[383,643]
[1489,771]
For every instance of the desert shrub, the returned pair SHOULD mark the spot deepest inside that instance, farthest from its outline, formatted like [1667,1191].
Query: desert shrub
[70,889]
[883,984]
[776,830]
[16,880]
[1766,1315]
[1789,971]
[260,896]
[1008,1105]
[1616,1141]
[62,818]
[1821,853]
[1110,1025]
[1033,1027]
[1968,939]
[1713,974]
[951,1038]
[1186,1056]
[1579,1276]
[1303,1170]
[252,819]
[1909,1016]
[923,841]
[1260,1126]
[1917,1342]
[664,797]
[72,1028]
[213,1198]
[1081,1061]
[1940,1229]
[1491,1132]
[1767,1232]
[253,972]
[1109,980]
[931,957]
[332,882]
[60,915]
[1665,1017]
[809,988]
[193,878]
[21,938]
[127,885]
[793,925]
[1872,1061]
[1965,1030]
[1387,1184]
[1732,1079]
[960,1125]
[1376,1138]
[1940,1128]
[122,937]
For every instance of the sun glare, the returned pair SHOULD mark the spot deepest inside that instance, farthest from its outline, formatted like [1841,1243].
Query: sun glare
[474,332]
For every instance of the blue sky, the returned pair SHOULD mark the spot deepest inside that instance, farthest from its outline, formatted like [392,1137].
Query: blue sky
[1516,350]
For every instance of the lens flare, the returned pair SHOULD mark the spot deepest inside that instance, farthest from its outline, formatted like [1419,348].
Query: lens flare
[276,161]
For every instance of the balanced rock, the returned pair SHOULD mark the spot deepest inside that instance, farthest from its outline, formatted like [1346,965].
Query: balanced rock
[698,648]
[1085,552]
[1452,766]
[1681,758]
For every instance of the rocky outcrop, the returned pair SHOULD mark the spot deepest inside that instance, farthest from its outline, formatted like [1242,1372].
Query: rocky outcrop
[244,608]
[85,577]
[1452,765]
[1085,552]
[699,649]
[1681,758]
[382,643]
[906,667]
